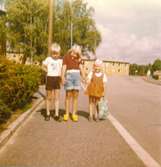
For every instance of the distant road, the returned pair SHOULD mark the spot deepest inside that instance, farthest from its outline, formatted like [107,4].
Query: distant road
[136,104]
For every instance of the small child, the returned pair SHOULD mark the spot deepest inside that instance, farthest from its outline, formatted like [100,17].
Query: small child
[53,65]
[96,88]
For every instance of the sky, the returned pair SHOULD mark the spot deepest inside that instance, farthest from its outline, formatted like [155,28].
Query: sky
[130,29]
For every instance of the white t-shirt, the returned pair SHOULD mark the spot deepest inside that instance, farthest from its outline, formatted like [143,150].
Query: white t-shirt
[53,66]
[98,74]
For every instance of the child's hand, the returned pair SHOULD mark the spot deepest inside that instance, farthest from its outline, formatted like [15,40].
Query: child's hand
[63,80]
[84,80]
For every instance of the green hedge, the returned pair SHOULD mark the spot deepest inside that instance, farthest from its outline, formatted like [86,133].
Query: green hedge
[156,77]
[5,112]
[18,83]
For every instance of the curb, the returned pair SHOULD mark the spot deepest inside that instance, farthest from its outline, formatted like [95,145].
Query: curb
[6,135]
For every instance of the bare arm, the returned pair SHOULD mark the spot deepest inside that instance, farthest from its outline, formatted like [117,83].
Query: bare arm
[44,67]
[64,67]
[105,86]
[82,71]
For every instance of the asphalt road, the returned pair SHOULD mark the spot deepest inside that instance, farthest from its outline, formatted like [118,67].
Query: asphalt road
[51,144]
[136,104]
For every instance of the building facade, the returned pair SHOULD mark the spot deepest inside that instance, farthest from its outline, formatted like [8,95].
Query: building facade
[110,67]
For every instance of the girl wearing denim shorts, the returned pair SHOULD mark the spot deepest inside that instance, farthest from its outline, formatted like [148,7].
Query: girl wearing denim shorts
[53,65]
[71,78]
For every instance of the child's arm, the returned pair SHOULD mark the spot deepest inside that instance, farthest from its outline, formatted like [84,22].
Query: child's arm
[89,77]
[45,64]
[105,84]
[44,67]
[82,72]
[64,67]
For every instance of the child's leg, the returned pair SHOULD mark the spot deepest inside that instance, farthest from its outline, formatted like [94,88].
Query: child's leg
[48,102]
[90,107]
[56,102]
[52,106]
[75,101]
[96,109]
[67,101]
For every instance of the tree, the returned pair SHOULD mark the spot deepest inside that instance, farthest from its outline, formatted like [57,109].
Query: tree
[27,23]
[140,70]
[28,27]
[2,35]
[156,65]
[2,30]
[85,32]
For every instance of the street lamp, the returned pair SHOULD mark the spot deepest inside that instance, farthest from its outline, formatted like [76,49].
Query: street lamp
[50,28]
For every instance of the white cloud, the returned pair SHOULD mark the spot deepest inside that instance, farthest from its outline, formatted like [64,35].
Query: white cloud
[130,29]
[128,47]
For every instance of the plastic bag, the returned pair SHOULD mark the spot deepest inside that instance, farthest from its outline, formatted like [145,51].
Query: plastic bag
[103,109]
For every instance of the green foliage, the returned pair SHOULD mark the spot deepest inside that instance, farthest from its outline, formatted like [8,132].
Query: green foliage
[156,77]
[156,65]
[3,33]
[85,32]
[28,27]
[5,112]
[18,83]
[136,69]
[139,69]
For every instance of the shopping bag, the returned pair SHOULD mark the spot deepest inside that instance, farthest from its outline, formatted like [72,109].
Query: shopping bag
[103,109]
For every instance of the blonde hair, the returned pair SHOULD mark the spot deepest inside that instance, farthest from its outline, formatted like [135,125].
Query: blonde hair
[55,47]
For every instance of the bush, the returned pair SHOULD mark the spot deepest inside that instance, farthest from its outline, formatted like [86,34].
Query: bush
[156,77]
[5,112]
[18,83]
[140,70]
[156,65]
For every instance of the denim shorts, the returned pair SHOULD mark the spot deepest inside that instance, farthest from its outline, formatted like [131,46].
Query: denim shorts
[72,80]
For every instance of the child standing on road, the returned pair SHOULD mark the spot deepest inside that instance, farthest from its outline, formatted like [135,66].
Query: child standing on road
[52,65]
[96,88]
[71,77]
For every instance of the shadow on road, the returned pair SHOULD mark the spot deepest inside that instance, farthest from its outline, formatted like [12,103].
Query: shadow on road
[62,112]
[83,114]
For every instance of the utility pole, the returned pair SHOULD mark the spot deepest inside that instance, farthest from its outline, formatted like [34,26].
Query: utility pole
[71,24]
[50,28]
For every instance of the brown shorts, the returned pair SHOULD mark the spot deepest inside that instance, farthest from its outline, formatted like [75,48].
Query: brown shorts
[53,83]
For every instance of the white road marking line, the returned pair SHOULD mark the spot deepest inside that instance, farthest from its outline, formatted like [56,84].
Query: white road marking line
[138,149]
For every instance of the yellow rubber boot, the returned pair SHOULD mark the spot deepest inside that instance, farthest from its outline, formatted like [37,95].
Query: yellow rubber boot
[75,118]
[66,117]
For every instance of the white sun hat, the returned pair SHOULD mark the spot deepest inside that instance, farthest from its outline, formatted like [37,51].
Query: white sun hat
[98,63]
[76,48]
[55,47]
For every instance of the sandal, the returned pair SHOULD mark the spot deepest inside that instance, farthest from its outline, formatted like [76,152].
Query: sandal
[47,118]
[89,118]
[96,119]
[58,118]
